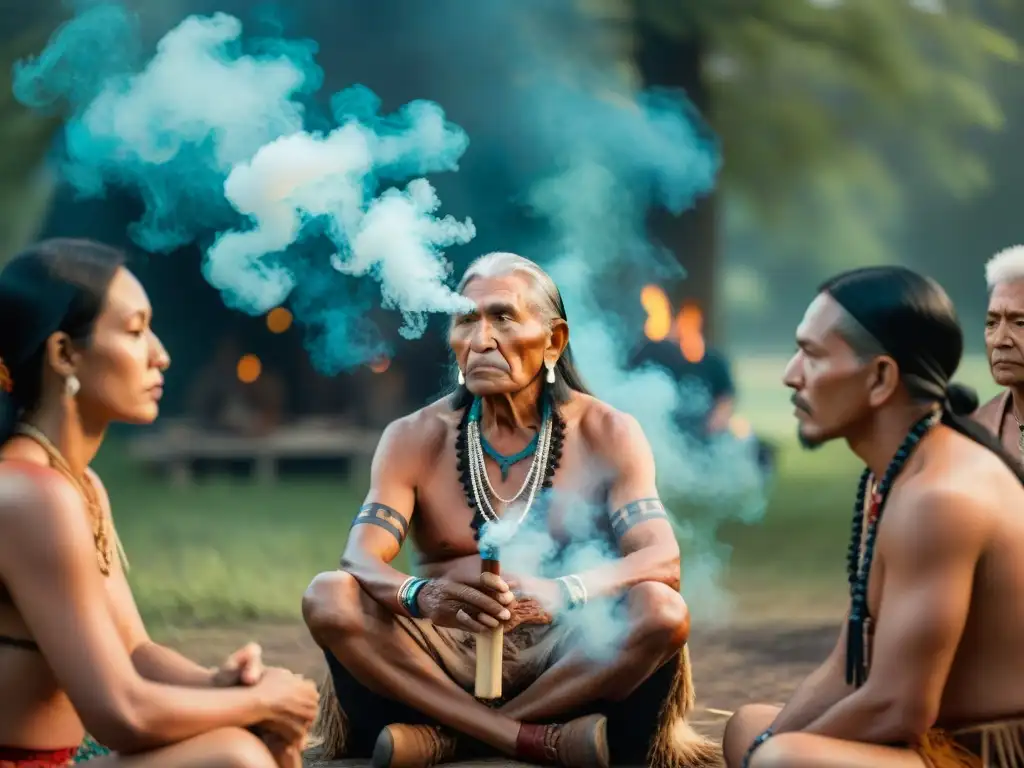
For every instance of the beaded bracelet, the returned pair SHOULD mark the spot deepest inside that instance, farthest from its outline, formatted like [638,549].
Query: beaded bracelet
[573,590]
[766,734]
[407,594]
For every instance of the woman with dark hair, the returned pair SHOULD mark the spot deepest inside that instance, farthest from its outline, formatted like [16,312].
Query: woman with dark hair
[77,352]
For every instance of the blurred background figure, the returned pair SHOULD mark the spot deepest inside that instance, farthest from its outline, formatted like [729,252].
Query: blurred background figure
[233,394]
[707,397]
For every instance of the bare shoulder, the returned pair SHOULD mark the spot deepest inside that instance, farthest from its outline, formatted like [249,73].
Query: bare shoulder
[956,499]
[607,431]
[977,476]
[934,525]
[419,437]
[938,505]
[36,497]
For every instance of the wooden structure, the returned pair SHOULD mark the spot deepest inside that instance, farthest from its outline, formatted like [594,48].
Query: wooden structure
[177,445]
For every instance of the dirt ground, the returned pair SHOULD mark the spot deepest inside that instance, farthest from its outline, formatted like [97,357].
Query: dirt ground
[732,664]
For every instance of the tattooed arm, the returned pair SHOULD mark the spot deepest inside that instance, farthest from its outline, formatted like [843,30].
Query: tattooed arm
[638,518]
[382,523]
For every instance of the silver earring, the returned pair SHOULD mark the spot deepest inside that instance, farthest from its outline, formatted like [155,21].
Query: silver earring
[72,385]
[462,378]
[551,373]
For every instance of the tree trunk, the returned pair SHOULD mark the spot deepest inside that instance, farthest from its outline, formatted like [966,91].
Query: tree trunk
[25,137]
[693,236]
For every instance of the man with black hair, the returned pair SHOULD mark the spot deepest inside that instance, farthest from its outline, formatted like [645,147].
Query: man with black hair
[927,670]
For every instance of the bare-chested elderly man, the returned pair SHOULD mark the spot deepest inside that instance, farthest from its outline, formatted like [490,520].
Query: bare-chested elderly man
[928,669]
[401,651]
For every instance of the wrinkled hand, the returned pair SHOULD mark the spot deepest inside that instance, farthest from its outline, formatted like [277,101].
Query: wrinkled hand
[461,606]
[545,595]
[243,667]
[290,702]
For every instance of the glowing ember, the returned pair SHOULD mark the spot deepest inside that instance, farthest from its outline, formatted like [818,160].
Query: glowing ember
[380,365]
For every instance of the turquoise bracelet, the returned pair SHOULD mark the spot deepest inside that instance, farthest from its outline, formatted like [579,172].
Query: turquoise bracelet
[761,739]
[408,593]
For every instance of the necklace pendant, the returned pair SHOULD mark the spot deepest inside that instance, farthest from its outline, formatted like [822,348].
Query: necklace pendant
[506,467]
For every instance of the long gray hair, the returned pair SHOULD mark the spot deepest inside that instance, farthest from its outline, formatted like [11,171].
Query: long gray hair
[546,300]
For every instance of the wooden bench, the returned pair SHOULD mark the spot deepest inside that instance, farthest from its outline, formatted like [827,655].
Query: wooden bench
[177,445]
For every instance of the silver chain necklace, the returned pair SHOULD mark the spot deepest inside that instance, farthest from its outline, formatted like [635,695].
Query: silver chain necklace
[480,482]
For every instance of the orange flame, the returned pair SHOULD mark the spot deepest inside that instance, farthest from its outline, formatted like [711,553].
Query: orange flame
[380,365]
[689,328]
[659,312]
[6,382]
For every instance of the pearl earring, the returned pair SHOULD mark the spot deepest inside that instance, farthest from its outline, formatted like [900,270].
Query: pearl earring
[551,373]
[462,378]
[72,385]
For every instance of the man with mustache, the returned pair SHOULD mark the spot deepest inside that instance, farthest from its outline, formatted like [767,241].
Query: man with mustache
[927,670]
[1004,343]
[401,649]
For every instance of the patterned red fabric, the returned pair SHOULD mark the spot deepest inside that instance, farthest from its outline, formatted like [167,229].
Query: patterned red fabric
[13,757]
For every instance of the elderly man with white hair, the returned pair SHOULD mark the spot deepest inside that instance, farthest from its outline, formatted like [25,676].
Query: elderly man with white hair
[519,432]
[1004,342]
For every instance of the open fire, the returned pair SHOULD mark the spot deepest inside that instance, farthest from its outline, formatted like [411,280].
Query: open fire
[686,327]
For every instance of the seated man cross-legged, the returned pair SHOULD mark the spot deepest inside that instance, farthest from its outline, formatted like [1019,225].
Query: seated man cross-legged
[928,670]
[401,650]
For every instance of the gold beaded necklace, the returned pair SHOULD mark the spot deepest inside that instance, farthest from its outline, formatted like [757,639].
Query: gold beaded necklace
[85,487]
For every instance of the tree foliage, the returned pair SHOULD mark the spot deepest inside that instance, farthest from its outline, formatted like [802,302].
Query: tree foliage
[824,105]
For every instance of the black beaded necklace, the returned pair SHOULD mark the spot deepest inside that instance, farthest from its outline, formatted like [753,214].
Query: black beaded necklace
[462,460]
[858,568]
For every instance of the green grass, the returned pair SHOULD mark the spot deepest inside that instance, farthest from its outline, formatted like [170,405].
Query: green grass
[222,552]
[225,552]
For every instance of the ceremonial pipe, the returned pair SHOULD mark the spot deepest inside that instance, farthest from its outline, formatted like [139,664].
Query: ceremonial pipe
[490,643]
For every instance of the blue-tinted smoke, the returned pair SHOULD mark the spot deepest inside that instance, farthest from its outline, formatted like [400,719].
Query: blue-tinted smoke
[210,132]
[616,152]
[530,550]
[623,157]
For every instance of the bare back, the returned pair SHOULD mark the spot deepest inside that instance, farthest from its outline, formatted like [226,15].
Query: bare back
[947,589]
